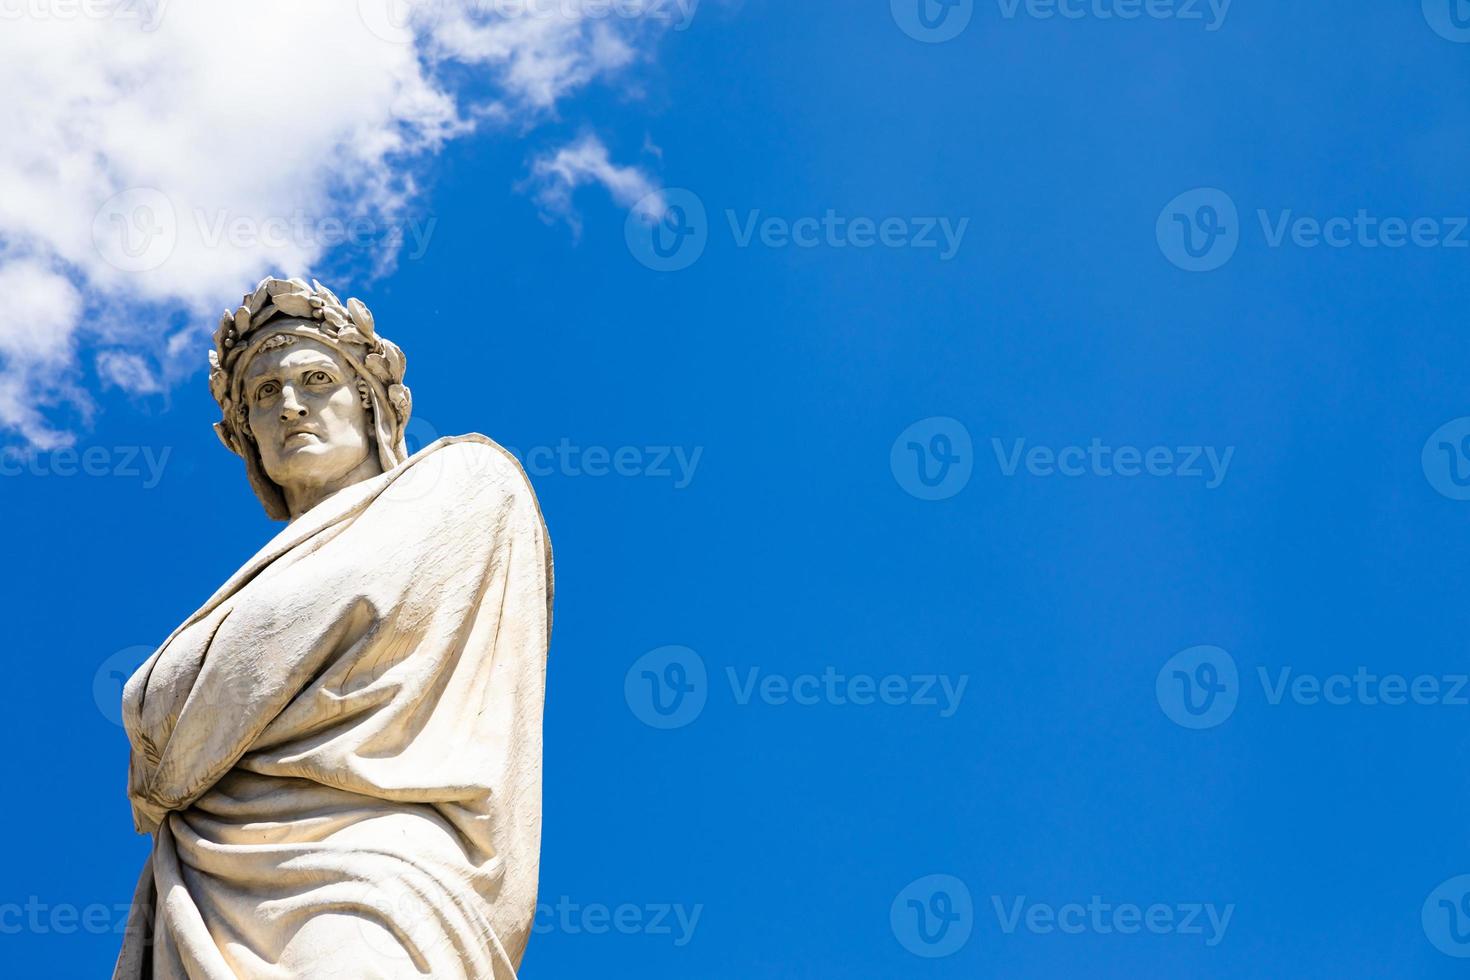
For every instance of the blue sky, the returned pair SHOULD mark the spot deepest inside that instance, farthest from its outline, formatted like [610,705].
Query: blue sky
[1294,416]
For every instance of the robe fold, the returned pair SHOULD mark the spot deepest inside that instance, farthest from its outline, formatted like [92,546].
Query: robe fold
[339,754]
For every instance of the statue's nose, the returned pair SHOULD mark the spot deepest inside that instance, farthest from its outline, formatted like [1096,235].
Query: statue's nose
[290,407]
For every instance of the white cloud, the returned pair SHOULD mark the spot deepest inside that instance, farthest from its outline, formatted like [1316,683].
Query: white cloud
[586,161]
[157,158]
[127,371]
[39,312]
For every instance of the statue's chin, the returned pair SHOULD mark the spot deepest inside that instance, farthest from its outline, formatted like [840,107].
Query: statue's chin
[312,462]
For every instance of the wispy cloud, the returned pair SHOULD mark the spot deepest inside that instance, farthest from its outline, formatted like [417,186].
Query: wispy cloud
[556,175]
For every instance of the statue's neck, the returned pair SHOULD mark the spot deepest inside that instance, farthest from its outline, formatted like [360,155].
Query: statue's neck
[302,498]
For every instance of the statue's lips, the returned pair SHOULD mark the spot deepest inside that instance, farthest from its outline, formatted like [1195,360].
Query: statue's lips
[301,438]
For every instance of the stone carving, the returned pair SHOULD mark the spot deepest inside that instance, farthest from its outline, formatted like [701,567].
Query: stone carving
[339,754]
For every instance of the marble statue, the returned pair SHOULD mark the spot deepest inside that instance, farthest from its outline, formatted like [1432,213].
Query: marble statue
[339,754]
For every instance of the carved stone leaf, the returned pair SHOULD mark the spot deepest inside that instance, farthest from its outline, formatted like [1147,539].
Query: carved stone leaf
[396,363]
[225,323]
[294,304]
[377,365]
[326,293]
[348,335]
[261,294]
[276,287]
[262,315]
[242,321]
[401,400]
[361,317]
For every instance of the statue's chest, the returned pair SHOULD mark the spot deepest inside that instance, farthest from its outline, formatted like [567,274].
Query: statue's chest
[174,680]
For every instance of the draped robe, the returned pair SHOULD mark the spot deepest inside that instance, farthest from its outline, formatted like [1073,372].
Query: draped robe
[339,754]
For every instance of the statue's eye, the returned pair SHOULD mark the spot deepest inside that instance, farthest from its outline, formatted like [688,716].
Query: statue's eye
[267,389]
[318,378]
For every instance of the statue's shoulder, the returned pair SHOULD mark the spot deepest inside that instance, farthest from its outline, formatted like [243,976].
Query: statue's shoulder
[496,482]
[483,462]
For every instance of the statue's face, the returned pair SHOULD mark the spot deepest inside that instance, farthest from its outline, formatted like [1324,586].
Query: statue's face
[306,415]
